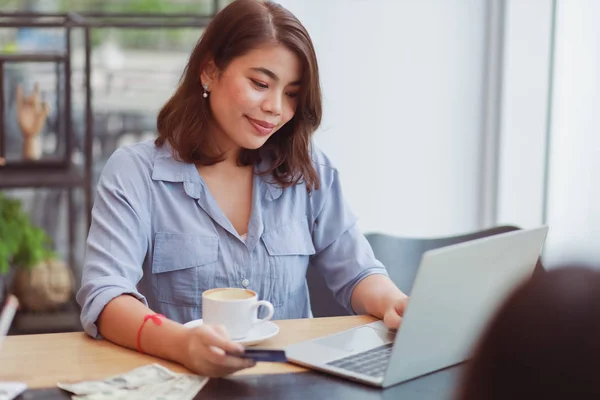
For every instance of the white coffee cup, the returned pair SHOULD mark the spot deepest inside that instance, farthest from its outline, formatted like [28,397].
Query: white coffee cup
[234,308]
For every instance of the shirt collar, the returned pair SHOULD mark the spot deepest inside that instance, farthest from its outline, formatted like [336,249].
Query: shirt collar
[167,168]
[271,190]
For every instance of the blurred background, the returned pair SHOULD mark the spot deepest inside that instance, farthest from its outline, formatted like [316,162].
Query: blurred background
[443,116]
[448,116]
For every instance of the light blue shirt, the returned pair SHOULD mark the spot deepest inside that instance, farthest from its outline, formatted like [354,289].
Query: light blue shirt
[159,235]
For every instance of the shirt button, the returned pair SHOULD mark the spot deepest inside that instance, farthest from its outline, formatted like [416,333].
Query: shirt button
[245,282]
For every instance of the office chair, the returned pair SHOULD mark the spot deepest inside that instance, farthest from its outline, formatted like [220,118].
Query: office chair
[401,256]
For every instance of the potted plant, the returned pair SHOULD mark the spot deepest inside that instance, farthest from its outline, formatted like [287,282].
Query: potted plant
[27,263]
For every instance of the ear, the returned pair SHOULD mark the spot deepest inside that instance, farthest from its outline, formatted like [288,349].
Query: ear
[209,75]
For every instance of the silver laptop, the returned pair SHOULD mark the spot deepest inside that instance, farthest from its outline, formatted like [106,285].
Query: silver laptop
[456,291]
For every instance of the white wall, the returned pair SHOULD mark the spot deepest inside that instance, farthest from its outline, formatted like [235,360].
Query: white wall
[524,111]
[403,92]
[574,190]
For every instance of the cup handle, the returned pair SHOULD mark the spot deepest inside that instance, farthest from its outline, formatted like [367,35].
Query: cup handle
[269,307]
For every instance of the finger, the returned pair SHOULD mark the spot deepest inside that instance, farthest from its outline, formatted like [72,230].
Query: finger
[217,352]
[220,358]
[28,100]
[229,371]
[400,306]
[19,96]
[211,337]
[45,110]
[392,320]
[221,330]
[35,97]
[215,371]
[211,355]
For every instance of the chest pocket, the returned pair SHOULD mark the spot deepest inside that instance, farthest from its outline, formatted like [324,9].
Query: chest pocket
[289,248]
[183,267]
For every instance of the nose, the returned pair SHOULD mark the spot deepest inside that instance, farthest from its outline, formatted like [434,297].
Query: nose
[273,103]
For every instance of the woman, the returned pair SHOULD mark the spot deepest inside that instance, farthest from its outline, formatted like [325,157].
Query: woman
[231,194]
[543,343]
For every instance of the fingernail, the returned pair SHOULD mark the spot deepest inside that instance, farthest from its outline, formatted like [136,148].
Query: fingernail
[251,363]
[218,351]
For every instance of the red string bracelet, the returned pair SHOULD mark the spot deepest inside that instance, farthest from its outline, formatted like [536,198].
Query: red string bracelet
[156,318]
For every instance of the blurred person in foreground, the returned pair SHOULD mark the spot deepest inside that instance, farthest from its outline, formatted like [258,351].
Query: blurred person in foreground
[543,343]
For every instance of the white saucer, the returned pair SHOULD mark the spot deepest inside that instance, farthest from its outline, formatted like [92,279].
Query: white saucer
[259,332]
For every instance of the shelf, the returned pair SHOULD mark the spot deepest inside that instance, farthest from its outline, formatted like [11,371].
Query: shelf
[38,57]
[63,320]
[10,179]
[37,165]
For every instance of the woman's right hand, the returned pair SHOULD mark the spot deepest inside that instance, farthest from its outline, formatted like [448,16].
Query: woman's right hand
[204,350]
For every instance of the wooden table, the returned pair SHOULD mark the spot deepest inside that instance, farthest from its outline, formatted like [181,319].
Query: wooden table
[43,360]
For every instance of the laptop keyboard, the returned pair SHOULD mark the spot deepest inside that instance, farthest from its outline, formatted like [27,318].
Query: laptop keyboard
[371,362]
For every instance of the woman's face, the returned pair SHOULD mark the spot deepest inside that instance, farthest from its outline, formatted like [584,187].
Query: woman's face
[254,96]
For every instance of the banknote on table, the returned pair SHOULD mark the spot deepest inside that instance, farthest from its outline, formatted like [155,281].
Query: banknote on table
[10,390]
[148,382]
[147,374]
[181,387]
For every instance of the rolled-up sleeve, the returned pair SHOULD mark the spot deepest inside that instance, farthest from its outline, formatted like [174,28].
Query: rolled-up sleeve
[343,255]
[118,238]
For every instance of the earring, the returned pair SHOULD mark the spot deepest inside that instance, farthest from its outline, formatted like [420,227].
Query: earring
[205,94]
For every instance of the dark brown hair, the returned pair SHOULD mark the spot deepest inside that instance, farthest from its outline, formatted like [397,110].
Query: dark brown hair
[544,342]
[237,29]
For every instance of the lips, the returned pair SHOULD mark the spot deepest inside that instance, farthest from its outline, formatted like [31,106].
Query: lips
[262,127]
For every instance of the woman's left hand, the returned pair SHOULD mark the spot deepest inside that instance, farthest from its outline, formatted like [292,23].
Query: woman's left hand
[394,312]
[379,296]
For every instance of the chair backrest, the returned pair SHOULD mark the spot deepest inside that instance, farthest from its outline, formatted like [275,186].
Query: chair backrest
[401,256]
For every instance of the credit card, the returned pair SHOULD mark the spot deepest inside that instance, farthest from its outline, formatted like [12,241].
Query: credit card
[263,355]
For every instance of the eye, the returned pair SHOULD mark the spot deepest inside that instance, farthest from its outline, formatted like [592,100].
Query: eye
[259,85]
[292,95]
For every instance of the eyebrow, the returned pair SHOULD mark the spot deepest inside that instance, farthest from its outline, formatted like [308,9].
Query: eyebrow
[272,75]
